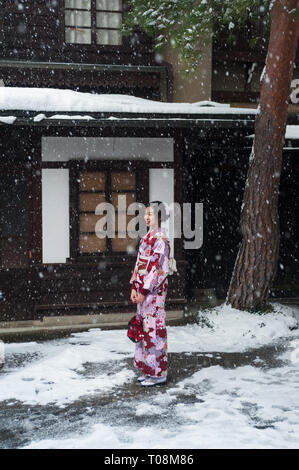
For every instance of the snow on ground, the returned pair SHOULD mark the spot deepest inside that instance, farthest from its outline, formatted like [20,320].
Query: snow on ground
[56,375]
[236,407]
[243,408]
[54,99]
[226,329]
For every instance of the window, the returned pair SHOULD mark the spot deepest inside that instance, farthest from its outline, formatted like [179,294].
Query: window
[105,186]
[93,22]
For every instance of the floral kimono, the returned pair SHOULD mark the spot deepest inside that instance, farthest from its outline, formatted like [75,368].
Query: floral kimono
[150,279]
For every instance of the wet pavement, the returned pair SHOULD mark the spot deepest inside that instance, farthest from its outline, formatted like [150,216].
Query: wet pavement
[21,424]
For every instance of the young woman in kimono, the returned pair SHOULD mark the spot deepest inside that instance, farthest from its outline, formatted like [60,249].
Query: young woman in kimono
[149,288]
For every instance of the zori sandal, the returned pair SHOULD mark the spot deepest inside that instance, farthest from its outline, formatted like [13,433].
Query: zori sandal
[151,381]
[142,378]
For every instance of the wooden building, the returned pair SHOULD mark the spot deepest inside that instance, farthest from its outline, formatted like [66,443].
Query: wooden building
[55,168]
[57,162]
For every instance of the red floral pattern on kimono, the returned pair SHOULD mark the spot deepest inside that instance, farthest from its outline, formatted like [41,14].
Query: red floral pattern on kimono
[150,278]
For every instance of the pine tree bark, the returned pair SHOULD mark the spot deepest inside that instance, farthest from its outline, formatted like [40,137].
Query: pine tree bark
[257,259]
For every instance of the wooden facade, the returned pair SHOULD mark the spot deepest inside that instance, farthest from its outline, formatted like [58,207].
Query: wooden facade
[33,287]
[34,30]
[203,168]
[238,59]
[221,166]
[35,52]
[84,283]
[209,165]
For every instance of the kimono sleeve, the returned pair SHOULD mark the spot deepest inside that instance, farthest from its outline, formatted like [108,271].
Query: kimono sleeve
[134,276]
[157,268]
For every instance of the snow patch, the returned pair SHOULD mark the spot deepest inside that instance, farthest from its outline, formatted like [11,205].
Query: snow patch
[58,373]
[244,407]
[8,119]
[232,330]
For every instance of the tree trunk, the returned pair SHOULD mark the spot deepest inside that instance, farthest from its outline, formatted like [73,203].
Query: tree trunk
[257,259]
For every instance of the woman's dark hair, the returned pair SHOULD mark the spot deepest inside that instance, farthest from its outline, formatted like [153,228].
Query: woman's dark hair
[160,211]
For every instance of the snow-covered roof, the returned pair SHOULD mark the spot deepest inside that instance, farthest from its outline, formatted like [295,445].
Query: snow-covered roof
[15,100]
[60,100]
[292,132]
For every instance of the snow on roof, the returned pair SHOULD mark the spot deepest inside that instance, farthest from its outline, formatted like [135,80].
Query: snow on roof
[54,99]
[7,119]
[292,132]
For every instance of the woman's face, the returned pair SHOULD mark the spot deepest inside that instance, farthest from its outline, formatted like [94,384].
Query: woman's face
[150,218]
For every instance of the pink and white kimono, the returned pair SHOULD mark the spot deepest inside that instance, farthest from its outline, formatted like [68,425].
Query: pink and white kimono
[150,278]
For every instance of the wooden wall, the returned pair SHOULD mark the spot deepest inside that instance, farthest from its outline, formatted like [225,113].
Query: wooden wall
[34,30]
[98,284]
[215,173]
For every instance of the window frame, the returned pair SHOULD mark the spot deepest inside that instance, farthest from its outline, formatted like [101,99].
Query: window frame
[141,168]
[93,28]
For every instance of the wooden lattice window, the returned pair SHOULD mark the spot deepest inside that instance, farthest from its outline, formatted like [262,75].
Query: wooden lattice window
[93,22]
[96,187]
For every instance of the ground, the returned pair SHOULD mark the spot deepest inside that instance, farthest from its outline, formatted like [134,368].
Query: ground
[233,383]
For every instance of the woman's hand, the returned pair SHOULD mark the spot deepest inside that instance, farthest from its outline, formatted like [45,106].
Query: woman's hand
[133,296]
[140,298]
